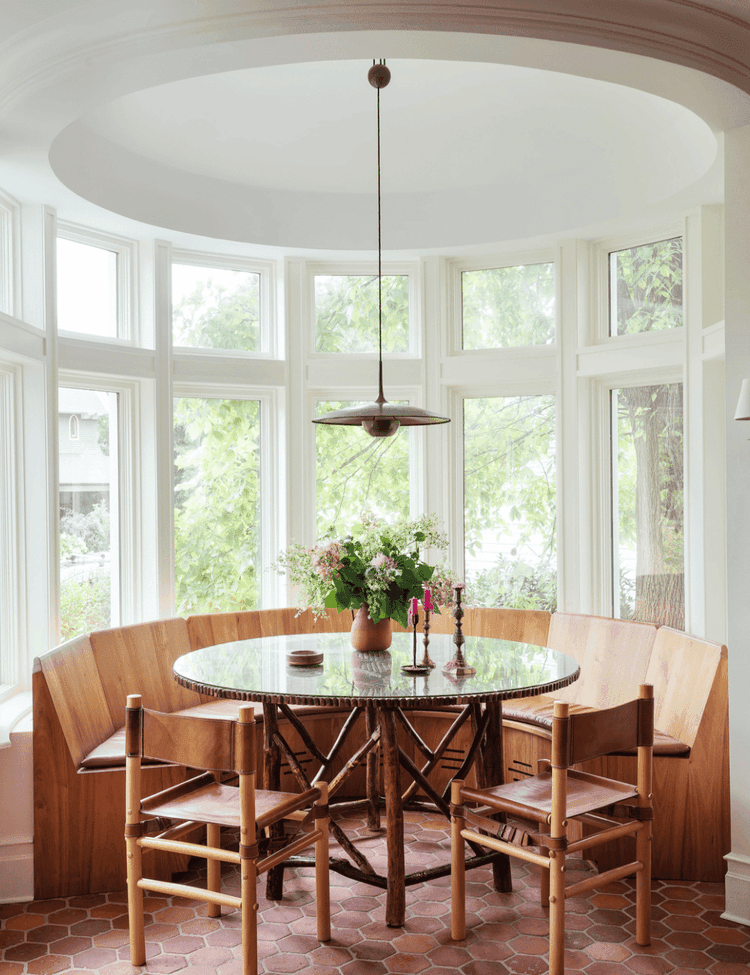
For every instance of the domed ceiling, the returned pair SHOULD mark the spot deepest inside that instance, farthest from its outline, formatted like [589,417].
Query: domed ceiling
[472,153]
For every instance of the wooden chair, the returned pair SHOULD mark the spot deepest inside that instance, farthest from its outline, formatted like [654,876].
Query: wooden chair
[552,798]
[216,746]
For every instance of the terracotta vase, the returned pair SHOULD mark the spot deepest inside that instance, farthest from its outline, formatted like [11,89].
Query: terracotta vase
[366,635]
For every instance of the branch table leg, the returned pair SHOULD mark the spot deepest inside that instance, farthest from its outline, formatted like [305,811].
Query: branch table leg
[492,772]
[395,905]
[272,780]
[372,769]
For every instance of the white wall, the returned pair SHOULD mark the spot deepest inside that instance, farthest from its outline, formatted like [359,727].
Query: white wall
[737,339]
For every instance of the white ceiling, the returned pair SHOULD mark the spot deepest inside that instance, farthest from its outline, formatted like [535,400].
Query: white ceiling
[486,139]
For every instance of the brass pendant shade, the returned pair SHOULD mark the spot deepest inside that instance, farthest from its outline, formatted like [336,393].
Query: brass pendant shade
[381,418]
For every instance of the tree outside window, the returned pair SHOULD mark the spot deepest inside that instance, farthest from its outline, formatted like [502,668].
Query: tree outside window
[215,308]
[346,313]
[356,472]
[645,286]
[217,505]
[648,504]
[508,306]
[510,501]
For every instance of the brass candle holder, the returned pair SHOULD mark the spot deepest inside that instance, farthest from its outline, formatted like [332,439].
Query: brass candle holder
[426,661]
[414,667]
[457,667]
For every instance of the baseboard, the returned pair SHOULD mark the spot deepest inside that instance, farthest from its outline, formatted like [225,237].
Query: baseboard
[737,888]
[16,873]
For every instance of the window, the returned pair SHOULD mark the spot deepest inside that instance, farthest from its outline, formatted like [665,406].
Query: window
[508,306]
[648,504]
[346,313]
[645,288]
[217,504]
[9,672]
[89,511]
[88,289]
[216,308]
[510,501]
[356,472]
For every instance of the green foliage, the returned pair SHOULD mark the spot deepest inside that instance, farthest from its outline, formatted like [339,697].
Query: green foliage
[84,606]
[516,583]
[346,313]
[356,472]
[378,565]
[80,533]
[647,287]
[508,306]
[217,504]
[510,494]
[215,316]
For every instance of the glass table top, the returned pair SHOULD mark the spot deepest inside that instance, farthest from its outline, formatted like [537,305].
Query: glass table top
[258,670]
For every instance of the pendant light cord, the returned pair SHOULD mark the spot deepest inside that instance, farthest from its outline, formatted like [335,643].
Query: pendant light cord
[381,397]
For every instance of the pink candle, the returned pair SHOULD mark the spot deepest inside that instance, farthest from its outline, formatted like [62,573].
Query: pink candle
[428,600]
[414,608]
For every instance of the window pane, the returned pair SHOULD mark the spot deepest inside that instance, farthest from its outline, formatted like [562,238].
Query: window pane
[346,313]
[215,308]
[217,504]
[508,306]
[86,289]
[356,472]
[510,501]
[648,536]
[89,524]
[645,288]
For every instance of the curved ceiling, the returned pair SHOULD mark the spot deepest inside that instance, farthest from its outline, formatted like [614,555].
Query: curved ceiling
[473,153]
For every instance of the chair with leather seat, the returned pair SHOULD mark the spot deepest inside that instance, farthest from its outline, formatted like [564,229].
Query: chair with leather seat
[556,796]
[215,746]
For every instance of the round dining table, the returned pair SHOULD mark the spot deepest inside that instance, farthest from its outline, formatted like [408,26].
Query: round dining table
[381,699]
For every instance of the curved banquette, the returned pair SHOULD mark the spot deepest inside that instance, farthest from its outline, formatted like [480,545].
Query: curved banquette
[80,689]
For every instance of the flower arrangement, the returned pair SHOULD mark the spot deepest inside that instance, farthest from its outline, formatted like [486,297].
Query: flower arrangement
[378,565]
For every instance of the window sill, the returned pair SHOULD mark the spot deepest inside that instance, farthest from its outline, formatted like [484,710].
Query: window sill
[11,712]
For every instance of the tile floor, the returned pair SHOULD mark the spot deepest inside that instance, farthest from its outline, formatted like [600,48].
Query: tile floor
[507,932]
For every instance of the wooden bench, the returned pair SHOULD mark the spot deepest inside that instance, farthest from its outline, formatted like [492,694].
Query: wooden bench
[691,751]
[80,689]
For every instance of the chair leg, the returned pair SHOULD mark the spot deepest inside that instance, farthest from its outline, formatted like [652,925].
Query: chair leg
[458,868]
[213,868]
[249,895]
[643,886]
[322,875]
[544,879]
[556,912]
[135,902]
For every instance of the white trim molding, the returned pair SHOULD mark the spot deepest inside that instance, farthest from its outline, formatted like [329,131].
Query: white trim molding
[737,888]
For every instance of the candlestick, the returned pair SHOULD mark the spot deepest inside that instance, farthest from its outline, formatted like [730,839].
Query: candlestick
[414,667]
[426,661]
[458,666]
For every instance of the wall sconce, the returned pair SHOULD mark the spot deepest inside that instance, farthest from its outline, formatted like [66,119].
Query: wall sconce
[743,403]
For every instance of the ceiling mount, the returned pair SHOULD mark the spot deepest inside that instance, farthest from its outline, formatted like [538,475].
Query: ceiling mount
[381,418]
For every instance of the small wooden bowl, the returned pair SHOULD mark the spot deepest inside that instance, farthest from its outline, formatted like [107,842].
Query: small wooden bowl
[304,658]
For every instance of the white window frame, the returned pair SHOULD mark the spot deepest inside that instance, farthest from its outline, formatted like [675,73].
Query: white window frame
[271,450]
[10,254]
[492,263]
[11,662]
[409,269]
[126,276]
[270,344]
[126,606]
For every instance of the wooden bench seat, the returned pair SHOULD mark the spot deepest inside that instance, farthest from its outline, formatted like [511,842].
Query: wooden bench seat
[80,689]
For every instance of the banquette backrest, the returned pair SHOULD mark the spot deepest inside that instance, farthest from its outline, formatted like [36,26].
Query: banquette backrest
[614,656]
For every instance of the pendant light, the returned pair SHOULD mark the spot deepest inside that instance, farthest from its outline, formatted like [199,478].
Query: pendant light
[381,418]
